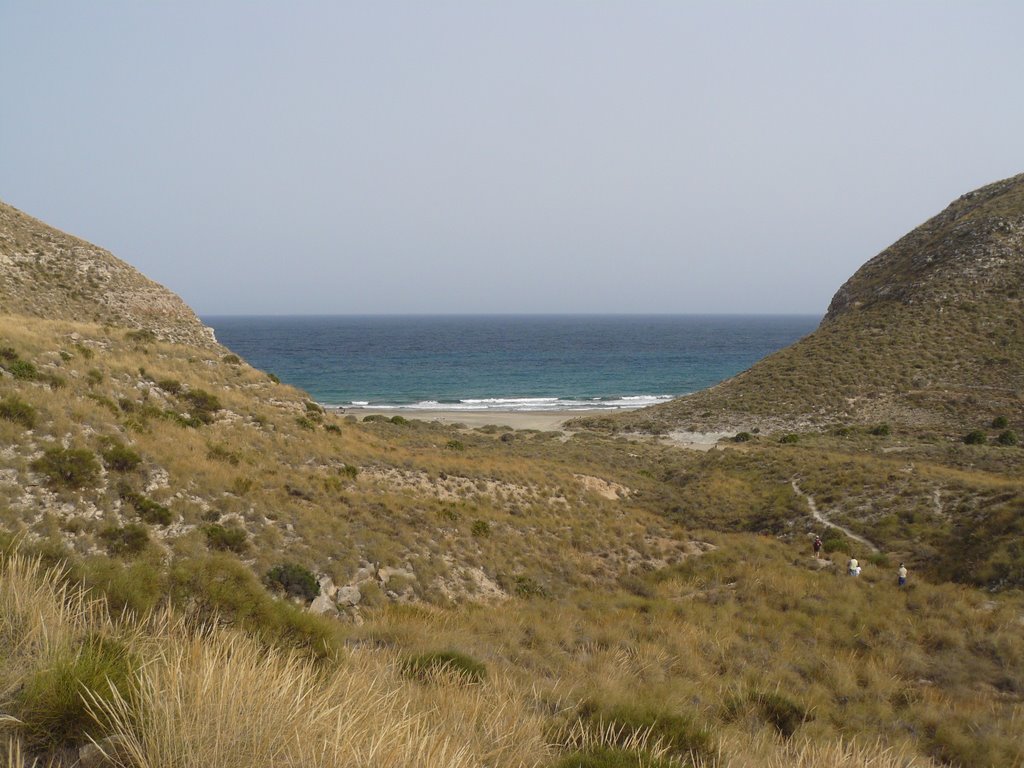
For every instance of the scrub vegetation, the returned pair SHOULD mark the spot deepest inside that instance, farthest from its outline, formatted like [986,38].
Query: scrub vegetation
[200,566]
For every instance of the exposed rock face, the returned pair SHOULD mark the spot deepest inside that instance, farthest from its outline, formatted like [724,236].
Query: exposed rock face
[47,273]
[974,247]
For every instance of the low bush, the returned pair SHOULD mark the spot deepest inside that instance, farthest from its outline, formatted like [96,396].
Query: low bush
[399,420]
[612,757]
[833,540]
[304,422]
[129,540]
[231,359]
[15,409]
[202,404]
[682,734]
[141,336]
[67,467]
[226,538]
[975,437]
[148,510]
[480,528]
[170,386]
[458,665]
[52,702]
[294,580]
[789,439]
[455,445]
[23,369]
[742,437]
[1000,422]
[93,377]
[220,587]
[219,452]
[880,430]
[1008,437]
[120,458]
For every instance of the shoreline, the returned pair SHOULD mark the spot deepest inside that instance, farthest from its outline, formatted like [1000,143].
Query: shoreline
[542,420]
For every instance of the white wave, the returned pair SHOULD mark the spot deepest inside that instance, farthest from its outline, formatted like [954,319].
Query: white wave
[498,404]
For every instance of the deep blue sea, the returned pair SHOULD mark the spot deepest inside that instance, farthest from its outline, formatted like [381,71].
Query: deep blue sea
[506,362]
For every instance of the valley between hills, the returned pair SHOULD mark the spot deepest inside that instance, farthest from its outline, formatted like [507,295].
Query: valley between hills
[203,567]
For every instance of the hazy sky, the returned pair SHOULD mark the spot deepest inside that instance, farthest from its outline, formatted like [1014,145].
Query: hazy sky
[365,157]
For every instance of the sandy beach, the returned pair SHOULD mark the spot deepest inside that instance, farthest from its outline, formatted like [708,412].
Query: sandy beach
[543,420]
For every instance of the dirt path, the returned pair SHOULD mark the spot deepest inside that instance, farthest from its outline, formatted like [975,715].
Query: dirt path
[816,513]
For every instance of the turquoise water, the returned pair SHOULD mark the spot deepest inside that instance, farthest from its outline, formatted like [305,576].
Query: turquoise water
[499,362]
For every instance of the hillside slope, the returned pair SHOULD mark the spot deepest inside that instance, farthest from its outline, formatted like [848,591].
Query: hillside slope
[49,274]
[929,334]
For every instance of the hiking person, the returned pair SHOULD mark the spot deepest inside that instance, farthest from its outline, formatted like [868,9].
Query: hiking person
[817,547]
[901,575]
[853,567]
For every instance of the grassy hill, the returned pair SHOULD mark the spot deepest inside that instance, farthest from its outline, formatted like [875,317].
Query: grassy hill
[927,335]
[202,567]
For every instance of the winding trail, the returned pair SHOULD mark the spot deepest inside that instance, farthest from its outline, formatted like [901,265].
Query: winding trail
[816,514]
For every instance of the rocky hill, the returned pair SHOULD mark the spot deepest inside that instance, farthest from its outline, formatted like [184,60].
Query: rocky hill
[929,334]
[49,274]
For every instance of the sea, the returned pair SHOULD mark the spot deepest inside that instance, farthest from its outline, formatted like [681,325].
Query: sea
[505,362]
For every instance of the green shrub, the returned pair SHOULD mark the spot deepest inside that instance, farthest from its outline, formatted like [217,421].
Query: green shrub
[789,439]
[129,540]
[455,445]
[1000,422]
[150,511]
[680,733]
[842,431]
[202,404]
[135,586]
[231,359]
[273,378]
[170,386]
[459,665]
[376,417]
[742,437]
[880,430]
[141,336]
[312,407]
[119,457]
[525,586]
[1007,437]
[94,376]
[218,586]
[480,528]
[226,538]
[975,437]
[333,428]
[305,422]
[833,540]
[10,354]
[611,757]
[52,702]
[294,580]
[13,408]
[24,370]
[67,467]
[218,452]
[399,420]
